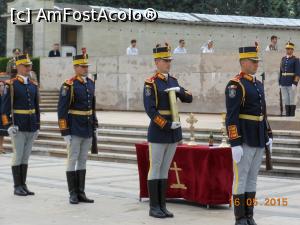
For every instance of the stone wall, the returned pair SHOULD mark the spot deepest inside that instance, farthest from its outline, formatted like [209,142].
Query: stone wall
[106,38]
[120,79]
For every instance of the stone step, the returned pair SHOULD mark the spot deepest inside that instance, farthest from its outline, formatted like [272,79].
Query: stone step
[285,161]
[287,133]
[291,141]
[137,136]
[281,171]
[51,131]
[49,101]
[48,93]
[145,127]
[48,105]
[117,143]
[49,109]
[288,152]
[49,97]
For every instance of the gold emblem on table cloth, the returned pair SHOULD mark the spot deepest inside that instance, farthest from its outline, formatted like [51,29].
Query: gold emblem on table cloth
[178,185]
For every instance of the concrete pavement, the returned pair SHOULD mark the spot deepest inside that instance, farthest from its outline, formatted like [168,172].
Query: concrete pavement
[115,190]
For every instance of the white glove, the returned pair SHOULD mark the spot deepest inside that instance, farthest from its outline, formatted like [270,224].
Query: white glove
[270,143]
[176,89]
[237,153]
[294,87]
[12,131]
[36,135]
[175,125]
[67,139]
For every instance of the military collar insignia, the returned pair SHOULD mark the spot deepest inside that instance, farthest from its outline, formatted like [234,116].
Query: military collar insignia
[19,78]
[80,79]
[247,76]
[160,76]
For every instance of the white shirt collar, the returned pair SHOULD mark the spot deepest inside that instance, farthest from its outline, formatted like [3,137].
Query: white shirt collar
[26,79]
[84,78]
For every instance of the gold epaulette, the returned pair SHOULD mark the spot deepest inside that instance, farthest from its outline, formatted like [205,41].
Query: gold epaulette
[150,80]
[10,81]
[70,81]
[237,79]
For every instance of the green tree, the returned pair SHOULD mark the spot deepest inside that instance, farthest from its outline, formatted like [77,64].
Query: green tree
[280,8]
[295,8]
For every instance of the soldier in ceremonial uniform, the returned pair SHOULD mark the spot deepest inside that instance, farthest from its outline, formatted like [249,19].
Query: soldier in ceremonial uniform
[21,115]
[289,78]
[11,68]
[77,122]
[163,134]
[249,133]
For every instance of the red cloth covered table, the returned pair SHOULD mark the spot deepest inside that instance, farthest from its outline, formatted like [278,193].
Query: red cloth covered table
[197,174]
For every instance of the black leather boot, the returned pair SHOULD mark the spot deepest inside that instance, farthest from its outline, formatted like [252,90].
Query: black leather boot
[81,186]
[24,169]
[72,185]
[293,110]
[250,207]
[163,185]
[287,110]
[18,190]
[239,209]
[155,210]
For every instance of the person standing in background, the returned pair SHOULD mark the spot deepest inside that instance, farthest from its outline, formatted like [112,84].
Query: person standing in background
[11,68]
[272,47]
[55,52]
[289,78]
[181,48]
[208,47]
[132,49]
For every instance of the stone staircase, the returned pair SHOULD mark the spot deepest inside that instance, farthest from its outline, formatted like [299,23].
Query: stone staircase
[116,144]
[49,100]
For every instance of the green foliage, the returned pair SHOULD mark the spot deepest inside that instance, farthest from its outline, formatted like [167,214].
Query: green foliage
[3,63]
[264,8]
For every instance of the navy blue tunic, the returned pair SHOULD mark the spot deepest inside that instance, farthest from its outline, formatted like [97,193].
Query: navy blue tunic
[156,100]
[77,95]
[245,98]
[26,97]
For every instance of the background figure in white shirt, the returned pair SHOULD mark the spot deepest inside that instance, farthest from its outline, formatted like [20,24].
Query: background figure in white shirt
[208,47]
[273,45]
[132,49]
[180,49]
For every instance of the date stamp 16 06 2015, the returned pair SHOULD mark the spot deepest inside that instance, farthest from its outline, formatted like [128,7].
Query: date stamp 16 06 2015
[268,201]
